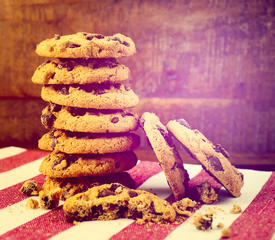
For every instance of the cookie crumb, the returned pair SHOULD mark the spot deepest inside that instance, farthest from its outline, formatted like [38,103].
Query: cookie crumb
[31,203]
[184,206]
[236,209]
[49,200]
[205,193]
[30,188]
[226,233]
[204,221]
[220,225]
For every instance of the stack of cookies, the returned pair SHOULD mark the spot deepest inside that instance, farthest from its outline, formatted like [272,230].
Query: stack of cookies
[89,112]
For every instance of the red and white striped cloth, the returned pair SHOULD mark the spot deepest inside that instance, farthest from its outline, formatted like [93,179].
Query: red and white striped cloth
[257,220]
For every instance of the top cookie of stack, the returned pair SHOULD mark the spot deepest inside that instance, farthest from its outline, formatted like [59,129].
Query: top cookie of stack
[89,100]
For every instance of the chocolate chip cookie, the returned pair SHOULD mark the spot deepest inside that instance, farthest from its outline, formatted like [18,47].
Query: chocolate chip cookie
[112,201]
[167,154]
[88,120]
[214,158]
[62,165]
[79,142]
[80,71]
[74,185]
[106,95]
[86,45]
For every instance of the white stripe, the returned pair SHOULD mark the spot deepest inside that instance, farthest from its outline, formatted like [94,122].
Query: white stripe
[18,214]
[106,229]
[19,174]
[10,151]
[254,181]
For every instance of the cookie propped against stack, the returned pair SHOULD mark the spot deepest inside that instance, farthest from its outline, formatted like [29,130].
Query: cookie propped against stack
[89,113]
[213,158]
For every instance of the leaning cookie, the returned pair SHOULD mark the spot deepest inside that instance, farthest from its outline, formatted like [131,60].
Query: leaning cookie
[112,201]
[106,95]
[168,156]
[96,143]
[88,120]
[62,165]
[80,71]
[73,185]
[214,158]
[86,45]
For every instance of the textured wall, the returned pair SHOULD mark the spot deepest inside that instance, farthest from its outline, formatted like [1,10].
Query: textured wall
[212,62]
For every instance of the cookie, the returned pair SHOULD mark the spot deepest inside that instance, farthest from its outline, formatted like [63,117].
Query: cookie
[49,200]
[106,95]
[80,71]
[86,45]
[167,154]
[74,185]
[62,165]
[214,158]
[97,143]
[30,188]
[88,120]
[112,201]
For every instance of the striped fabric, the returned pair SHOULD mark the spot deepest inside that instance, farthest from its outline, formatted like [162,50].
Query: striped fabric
[256,221]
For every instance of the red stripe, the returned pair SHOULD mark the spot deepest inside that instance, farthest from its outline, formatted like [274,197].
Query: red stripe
[17,160]
[42,227]
[12,195]
[257,221]
[144,170]
[160,231]
[53,222]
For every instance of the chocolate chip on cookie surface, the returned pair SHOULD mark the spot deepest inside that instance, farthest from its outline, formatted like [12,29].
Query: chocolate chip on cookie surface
[214,158]
[86,45]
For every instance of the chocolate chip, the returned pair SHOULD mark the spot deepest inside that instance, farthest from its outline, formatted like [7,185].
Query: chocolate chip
[153,209]
[121,211]
[166,136]
[127,88]
[77,111]
[132,194]
[48,119]
[54,143]
[96,211]
[126,43]
[56,36]
[99,50]
[105,193]
[136,214]
[72,45]
[219,149]
[215,163]
[114,186]
[91,36]
[183,122]
[115,120]
[54,107]
[63,89]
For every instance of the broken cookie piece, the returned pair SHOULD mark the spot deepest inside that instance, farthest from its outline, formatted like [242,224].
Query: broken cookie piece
[184,207]
[205,193]
[30,188]
[49,200]
[204,221]
[112,201]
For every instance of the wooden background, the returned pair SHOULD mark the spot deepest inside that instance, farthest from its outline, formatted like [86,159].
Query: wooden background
[211,62]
